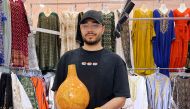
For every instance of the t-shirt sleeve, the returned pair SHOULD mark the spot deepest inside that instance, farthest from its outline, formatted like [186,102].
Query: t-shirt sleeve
[121,84]
[60,74]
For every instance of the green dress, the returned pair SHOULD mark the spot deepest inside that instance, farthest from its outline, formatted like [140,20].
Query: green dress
[108,39]
[48,45]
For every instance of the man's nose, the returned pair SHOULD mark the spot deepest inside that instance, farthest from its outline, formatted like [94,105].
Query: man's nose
[90,28]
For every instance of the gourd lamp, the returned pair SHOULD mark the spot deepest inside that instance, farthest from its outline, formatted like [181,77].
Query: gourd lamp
[72,93]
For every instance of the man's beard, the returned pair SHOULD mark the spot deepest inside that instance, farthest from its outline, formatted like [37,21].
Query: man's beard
[92,42]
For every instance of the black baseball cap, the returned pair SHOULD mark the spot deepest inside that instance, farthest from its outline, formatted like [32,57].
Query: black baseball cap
[92,14]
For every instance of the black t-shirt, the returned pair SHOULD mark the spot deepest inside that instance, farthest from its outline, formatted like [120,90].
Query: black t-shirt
[103,73]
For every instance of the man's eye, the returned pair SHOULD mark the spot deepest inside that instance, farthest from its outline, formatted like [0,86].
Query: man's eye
[95,25]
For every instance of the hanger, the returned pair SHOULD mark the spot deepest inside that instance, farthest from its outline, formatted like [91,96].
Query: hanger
[105,9]
[163,8]
[182,7]
[47,11]
[72,8]
[143,8]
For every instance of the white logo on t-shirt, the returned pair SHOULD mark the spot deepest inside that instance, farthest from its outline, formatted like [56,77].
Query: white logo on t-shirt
[89,63]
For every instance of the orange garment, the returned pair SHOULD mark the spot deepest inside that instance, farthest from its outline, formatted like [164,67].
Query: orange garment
[179,48]
[40,92]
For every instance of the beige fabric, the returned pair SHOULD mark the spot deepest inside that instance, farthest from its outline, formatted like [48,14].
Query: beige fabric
[68,28]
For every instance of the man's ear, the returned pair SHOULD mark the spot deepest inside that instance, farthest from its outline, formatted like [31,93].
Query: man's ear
[80,27]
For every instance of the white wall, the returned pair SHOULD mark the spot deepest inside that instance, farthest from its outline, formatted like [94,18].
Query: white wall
[36,9]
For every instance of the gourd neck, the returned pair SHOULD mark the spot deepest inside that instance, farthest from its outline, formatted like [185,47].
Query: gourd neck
[72,70]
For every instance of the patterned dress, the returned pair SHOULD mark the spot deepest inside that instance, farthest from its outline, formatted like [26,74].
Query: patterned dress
[68,28]
[32,57]
[125,38]
[162,42]
[48,45]
[181,94]
[20,31]
[159,91]
[30,91]
[108,39]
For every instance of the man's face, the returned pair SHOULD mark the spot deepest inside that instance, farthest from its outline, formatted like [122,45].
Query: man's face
[91,31]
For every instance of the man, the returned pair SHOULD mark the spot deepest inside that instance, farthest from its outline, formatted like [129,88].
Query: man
[103,72]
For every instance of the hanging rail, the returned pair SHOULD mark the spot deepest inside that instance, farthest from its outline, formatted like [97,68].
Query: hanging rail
[157,68]
[69,3]
[75,3]
[19,68]
[44,31]
[162,18]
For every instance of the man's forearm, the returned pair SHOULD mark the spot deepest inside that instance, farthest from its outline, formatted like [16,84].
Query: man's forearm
[115,103]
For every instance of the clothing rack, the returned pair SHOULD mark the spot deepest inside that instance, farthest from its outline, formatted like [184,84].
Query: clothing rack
[161,18]
[19,68]
[75,4]
[181,70]
[157,68]
[44,31]
[99,2]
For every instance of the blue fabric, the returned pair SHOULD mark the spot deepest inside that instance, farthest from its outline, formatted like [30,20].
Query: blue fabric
[1,34]
[163,39]
[159,91]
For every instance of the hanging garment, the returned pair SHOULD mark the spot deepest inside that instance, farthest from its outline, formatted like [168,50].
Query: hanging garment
[179,47]
[6,97]
[68,28]
[142,34]
[20,31]
[30,91]
[181,92]
[7,33]
[40,92]
[126,41]
[108,38]
[32,57]
[49,79]
[188,57]
[48,45]
[162,42]
[16,92]
[79,35]
[138,92]
[118,45]
[159,91]
[1,34]
[20,98]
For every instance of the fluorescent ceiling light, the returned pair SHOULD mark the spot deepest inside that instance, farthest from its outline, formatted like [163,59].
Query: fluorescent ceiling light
[42,5]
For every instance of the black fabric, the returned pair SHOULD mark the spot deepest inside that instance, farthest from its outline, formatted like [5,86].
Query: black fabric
[127,9]
[6,100]
[79,35]
[103,72]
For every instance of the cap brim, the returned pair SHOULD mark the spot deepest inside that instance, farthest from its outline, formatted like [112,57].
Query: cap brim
[83,20]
